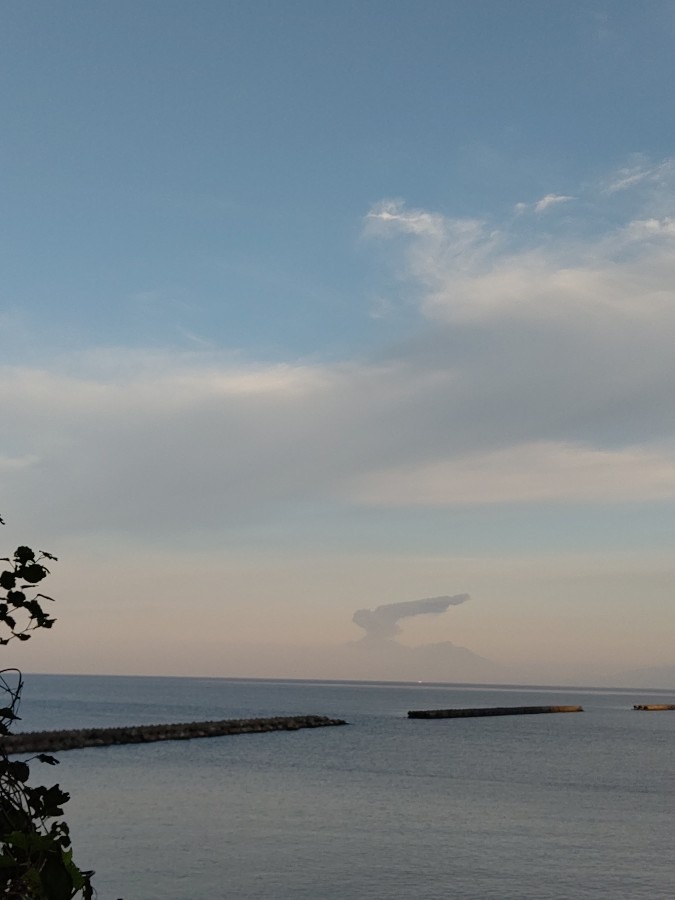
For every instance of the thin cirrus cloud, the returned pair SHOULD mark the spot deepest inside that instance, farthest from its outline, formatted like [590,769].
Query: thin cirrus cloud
[551,200]
[540,371]
[641,172]
[544,203]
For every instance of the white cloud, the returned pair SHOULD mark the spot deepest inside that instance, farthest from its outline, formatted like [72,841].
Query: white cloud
[461,416]
[542,372]
[9,464]
[470,271]
[394,212]
[644,229]
[551,200]
[544,203]
[528,473]
[627,178]
[642,172]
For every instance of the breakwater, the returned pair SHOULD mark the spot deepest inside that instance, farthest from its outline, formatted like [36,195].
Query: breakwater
[654,707]
[75,739]
[489,711]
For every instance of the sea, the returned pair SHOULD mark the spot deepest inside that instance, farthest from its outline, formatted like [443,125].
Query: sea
[547,807]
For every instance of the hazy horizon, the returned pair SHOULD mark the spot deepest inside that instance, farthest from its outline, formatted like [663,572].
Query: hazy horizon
[660,680]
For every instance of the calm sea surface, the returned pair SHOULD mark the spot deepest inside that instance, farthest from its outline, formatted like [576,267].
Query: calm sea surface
[553,806]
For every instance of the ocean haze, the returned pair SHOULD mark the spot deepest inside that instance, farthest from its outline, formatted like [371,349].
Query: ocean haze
[376,661]
[528,622]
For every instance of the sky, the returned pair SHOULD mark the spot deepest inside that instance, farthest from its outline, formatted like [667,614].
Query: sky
[310,308]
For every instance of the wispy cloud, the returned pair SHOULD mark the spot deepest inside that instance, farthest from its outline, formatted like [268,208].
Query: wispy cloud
[471,270]
[551,200]
[641,171]
[10,464]
[544,203]
[529,473]
[394,212]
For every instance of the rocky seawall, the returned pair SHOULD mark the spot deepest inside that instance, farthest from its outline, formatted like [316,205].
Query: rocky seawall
[53,741]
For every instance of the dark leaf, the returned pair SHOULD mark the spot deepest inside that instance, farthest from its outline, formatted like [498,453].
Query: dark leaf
[33,573]
[57,883]
[45,758]
[52,799]
[7,580]
[23,555]
[18,770]
[34,609]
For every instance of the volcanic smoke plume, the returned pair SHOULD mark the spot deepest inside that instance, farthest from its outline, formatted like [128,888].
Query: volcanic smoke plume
[382,622]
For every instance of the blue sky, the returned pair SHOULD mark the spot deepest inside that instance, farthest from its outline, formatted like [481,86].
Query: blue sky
[220,156]
[359,302]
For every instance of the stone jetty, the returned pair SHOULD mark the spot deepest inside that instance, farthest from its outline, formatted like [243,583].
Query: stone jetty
[489,711]
[654,707]
[53,741]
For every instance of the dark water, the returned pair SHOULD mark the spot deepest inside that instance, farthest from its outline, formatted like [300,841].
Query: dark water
[551,806]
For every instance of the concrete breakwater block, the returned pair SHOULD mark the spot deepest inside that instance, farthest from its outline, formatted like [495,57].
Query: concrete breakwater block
[489,711]
[53,741]
[654,707]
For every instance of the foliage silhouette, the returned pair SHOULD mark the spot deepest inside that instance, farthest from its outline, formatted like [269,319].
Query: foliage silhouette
[36,860]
